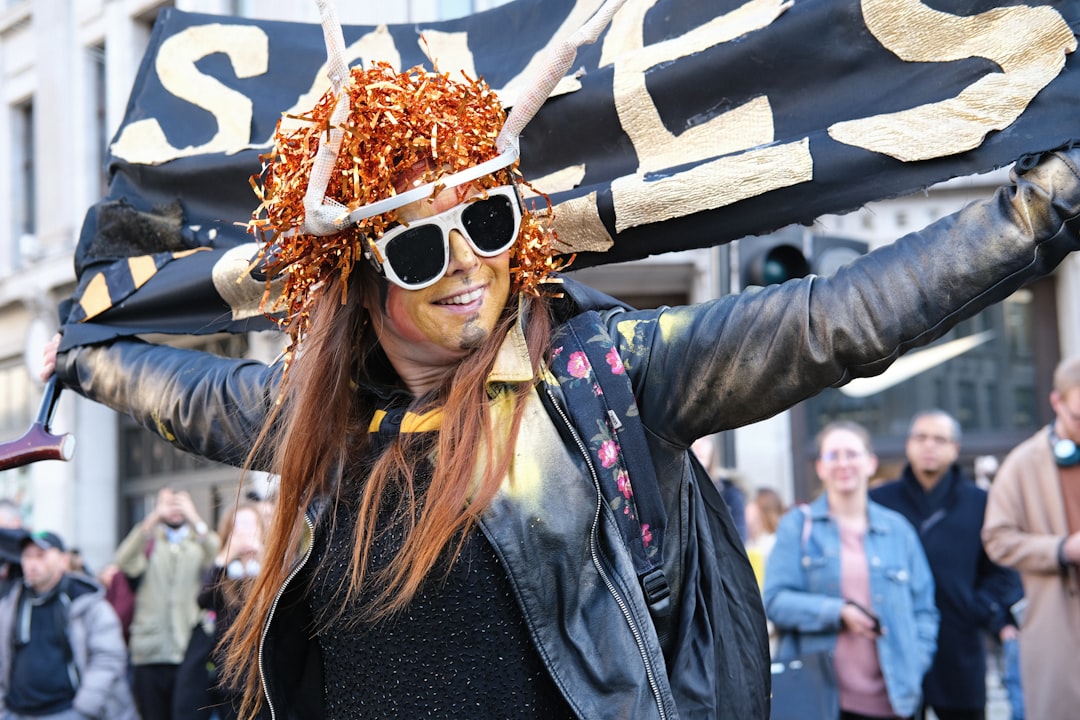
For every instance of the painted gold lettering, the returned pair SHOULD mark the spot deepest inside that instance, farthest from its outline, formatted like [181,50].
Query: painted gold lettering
[520,83]
[729,175]
[1029,44]
[579,228]
[710,185]
[566,178]
[656,147]
[246,46]
[448,51]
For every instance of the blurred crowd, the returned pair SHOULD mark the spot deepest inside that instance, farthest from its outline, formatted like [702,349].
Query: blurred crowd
[140,637]
[906,586]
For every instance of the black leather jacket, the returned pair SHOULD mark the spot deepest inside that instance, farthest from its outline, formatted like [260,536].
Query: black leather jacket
[696,370]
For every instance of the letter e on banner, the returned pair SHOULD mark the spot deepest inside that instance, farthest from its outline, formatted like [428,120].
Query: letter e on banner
[1029,44]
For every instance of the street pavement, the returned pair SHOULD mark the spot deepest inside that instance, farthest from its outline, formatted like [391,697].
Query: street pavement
[997,700]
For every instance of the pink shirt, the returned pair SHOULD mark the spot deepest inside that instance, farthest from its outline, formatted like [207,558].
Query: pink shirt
[858,671]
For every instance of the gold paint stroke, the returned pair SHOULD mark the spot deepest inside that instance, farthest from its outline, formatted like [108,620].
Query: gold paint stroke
[1028,43]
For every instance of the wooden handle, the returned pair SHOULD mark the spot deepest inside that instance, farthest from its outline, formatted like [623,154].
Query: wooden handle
[37,443]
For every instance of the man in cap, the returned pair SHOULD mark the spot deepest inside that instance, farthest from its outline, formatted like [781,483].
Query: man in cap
[66,657]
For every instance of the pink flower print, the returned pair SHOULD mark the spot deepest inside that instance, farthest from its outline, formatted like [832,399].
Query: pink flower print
[609,453]
[646,534]
[615,362]
[578,365]
[556,352]
[623,481]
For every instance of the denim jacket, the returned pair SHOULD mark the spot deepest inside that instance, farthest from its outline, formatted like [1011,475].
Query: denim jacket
[802,593]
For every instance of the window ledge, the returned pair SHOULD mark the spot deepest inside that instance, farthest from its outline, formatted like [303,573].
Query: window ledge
[12,15]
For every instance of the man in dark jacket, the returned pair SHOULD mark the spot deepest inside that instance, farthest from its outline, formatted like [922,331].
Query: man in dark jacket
[972,593]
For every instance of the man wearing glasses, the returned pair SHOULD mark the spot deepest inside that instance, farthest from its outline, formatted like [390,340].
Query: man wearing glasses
[972,593]
[1033,525]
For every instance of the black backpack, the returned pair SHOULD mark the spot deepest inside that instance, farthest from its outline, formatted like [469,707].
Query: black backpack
[719,621]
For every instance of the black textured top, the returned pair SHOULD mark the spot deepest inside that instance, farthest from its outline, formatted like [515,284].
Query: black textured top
[460,650]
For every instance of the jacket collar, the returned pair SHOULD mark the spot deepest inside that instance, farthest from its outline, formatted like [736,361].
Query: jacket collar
[513,363]
[875,514]
[943,495]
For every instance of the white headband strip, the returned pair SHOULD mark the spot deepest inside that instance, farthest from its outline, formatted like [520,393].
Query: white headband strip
[550,72]
[321,214]
[324,216]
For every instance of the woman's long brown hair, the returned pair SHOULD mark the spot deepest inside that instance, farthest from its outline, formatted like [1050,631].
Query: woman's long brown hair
[320,430]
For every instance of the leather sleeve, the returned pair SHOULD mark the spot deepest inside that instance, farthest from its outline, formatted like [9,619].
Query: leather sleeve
[207,405]
[746,357]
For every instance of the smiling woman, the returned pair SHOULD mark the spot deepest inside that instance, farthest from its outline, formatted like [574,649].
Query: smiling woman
[442,543]
[447,131]
[849,576]
[425,330]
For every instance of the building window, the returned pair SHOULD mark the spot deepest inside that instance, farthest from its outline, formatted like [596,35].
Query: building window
[148,463]
[98,118]
[1002,365]
[241,8]
[455,8]
[449,9]
[990,387]
[24,200]
[15,403]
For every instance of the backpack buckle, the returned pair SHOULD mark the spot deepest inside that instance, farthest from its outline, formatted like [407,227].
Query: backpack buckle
[657,592]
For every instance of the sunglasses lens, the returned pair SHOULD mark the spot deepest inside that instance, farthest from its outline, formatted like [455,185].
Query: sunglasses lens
[490,223]
[417,255]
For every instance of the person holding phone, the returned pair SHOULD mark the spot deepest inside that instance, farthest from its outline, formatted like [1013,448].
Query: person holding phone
[200,693]
[849,576]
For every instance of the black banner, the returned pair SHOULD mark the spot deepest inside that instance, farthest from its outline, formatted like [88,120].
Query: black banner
[689,123]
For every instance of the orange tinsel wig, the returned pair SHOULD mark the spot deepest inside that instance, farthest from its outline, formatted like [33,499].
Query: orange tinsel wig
[414,125]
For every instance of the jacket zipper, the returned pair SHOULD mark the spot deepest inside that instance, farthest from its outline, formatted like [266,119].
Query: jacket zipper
[72,667]
[650,672]
[273,608]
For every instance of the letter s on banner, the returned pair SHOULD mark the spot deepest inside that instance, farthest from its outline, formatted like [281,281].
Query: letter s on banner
[247,48]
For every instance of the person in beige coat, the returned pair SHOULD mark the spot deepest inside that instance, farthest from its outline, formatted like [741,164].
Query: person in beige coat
[1032,524]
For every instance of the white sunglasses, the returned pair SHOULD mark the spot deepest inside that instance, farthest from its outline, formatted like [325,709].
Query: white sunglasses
[416,254]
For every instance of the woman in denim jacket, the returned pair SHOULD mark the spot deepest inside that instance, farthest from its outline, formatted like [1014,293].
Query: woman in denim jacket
[849,576]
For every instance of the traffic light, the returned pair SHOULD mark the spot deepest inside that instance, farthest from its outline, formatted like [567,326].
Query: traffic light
[793,253]
[771,259]
[832,253]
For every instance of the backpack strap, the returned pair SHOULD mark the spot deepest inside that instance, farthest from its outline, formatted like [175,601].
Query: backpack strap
[601,405]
